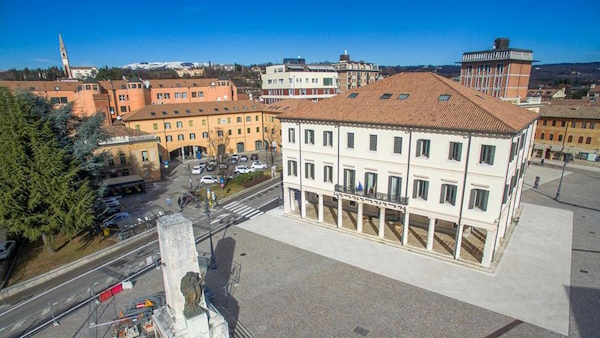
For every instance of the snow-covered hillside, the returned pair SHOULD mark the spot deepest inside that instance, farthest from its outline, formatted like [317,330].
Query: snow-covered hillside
[166,65]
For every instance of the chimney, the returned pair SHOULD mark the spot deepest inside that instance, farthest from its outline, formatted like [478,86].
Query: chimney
[501,43]
[345,56]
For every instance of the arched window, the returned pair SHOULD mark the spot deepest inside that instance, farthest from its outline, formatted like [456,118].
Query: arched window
[167,125]
[180,137]
[559,137]
[542,136]
[588,140]
[169,138]
[570,138]
[580,140]
[551,137]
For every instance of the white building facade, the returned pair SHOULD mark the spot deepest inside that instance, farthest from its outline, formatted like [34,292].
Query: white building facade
[299,81]
[440,180]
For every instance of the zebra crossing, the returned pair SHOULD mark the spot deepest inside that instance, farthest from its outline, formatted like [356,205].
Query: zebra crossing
[243,210]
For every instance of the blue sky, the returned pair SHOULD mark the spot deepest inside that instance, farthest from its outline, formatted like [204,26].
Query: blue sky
[247,32]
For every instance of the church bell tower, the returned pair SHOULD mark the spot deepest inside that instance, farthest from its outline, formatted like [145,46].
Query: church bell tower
[64,57]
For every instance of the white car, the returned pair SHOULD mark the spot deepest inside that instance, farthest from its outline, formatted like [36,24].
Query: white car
[209,180]
[197,170]
[258,165]
[112,203]
[242,169]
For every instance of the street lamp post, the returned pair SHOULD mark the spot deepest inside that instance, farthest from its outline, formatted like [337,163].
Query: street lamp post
[213,261]
[54,321]
[567,158]
[190,172]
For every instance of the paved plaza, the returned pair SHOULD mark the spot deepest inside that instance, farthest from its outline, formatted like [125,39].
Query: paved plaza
[301,279]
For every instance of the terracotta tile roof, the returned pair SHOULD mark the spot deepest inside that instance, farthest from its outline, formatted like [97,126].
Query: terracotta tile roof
[183,83]
[120,130]
[41,85]
[466,108]
[584,101]
[571,111]
[195,109]
[289,105]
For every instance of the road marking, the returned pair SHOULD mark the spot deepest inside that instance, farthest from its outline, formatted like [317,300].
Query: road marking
[257,215]
[108,280]
[250,215]
[253,195]
[18,325]
[215,221]
[45,312]
[243,210]
[250,212]
[271,201]
[70,299]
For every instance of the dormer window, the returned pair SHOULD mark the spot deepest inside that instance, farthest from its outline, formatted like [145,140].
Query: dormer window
[444,97]
[176,111]
[152,113]
[164,112]
[201,110]
[187,111]
[403,97]
[386,96]
[352,95]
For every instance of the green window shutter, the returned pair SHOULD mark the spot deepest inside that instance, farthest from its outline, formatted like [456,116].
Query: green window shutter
[425,189]
[472,199]
[492,153]
[484,198]
[415,187]
[443,193]
[419,148]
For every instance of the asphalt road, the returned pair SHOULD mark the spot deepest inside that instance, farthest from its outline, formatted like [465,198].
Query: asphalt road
[25,314]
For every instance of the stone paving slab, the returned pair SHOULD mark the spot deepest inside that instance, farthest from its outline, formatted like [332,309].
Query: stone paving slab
[531,283]
[546,174]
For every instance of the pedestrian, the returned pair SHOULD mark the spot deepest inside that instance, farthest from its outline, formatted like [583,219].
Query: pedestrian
[542,162]
[179,202]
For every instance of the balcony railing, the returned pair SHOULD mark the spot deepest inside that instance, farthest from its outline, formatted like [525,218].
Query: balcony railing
[376,195]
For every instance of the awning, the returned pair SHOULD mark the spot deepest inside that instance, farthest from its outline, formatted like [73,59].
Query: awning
[556,148]
[539,146]
[573,151]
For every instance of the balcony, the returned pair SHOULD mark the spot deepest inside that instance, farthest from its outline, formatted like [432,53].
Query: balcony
[377,196]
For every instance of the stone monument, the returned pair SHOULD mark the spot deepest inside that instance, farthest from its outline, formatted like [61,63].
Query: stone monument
[187,313]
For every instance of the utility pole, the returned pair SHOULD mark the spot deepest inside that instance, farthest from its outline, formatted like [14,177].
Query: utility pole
[567,157]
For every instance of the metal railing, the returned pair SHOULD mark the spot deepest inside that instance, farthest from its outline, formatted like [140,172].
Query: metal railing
[373,195]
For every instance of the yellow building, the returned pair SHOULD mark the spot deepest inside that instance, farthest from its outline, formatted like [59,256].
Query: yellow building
[568,129]
[207,128]
[130,152]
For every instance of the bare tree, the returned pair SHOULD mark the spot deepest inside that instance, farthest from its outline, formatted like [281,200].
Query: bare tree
[273,138]
[218,143]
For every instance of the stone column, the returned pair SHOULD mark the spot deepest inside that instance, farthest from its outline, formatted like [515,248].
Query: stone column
[194,151]
[182,153]
[302,204]
[359,218]
[405,227]
[488,249]
[286,200]
[381,222]
[320,216]
[339,212]
[178,254]
[430,232]
[292,197]
[459,235]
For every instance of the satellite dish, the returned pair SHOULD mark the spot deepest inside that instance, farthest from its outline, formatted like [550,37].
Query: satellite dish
[218,99]
[147,84]
[212,84]
[224,97]
[119,118]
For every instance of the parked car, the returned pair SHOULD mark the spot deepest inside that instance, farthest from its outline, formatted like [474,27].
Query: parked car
[211,167]
[112,203]
[112,220]
[223,165]
[109,211]
[209,180]
[234,155]
[6,249]
[110,199]
[258,165]
[212,162]
[243,158]
[203,165]
[254,157]
[242,169]
[197,170]
[233,160]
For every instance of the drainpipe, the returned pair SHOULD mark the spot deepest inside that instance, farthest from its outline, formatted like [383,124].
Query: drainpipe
[408,165]
[462,199]
[262,118]
[300,163]
[338,154]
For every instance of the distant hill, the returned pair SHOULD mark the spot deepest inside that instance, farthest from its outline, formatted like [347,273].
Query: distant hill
[549,75]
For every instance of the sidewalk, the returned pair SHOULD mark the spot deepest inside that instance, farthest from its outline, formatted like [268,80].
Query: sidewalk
[537,161]
[531,284]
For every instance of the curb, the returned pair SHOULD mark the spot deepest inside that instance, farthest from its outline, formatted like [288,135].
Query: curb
[15,289]
[35,281]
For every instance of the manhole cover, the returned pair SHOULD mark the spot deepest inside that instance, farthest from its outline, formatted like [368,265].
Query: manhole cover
[361,331]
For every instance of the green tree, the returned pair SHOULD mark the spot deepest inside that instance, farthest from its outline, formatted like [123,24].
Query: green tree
[42,190]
